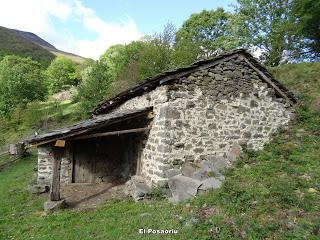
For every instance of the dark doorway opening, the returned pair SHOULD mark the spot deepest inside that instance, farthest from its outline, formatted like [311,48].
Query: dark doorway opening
[112,158]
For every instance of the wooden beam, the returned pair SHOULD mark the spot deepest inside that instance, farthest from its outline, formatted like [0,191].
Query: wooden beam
[278,90]
[54,194]
[68,135]
[94,135]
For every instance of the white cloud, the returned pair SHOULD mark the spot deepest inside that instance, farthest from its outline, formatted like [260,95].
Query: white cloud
[108,33]
[36,16]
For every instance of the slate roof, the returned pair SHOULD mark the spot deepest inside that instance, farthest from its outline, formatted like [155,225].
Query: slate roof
[169,76]
[85,126]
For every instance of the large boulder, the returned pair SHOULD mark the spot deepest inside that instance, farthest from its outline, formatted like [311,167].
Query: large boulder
[183,188]
[137,188]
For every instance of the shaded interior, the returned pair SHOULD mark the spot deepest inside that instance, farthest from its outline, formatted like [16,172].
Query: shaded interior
[109,158]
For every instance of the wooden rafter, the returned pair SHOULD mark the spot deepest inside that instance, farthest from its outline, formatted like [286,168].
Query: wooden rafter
[265,78]
[95,135]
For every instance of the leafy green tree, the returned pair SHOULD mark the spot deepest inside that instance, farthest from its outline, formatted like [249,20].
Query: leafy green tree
[93,87]
[306,15]
[61,73]
[21,81]
[140,59]
[118,56]
[206,34]
[269,28]
[156,56]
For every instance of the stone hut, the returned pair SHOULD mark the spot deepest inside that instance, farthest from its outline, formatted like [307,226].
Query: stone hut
[200,114]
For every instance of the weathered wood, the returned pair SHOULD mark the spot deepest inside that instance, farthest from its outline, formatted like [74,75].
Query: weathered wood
[264,77]
[55,184]
[60,143]
[112,133]
[85,126]
[18,149]
[12,149]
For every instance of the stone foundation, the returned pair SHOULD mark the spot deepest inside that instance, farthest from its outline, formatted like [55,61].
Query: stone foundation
[45,160]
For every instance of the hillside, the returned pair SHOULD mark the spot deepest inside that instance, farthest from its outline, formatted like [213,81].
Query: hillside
[28,44]
[269,194]
[33,38]
[12,43]
[48,46]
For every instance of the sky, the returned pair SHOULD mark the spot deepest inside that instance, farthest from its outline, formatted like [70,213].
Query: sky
[89,27]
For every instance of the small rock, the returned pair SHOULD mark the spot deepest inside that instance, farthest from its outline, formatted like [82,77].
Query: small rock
[290,225]
[246,166]
[172,172]
[182,188]
[312,190]
[37,189]
[188,169]
[145,215]
[210,183]
[52,206]
[137,188]
[192,221]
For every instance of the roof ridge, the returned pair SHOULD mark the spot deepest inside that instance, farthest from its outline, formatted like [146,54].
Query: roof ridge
[152,82]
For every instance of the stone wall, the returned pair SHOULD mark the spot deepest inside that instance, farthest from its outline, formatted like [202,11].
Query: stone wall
[45,160]
[153,152]
[208,115]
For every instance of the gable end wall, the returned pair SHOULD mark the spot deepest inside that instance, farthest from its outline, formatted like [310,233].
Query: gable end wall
[207,114]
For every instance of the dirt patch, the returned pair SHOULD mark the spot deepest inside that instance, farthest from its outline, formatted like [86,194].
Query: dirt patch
[90,196]
[63,95]
[315,104]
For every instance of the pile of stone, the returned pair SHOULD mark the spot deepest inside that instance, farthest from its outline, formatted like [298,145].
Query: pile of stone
[196,177]
[191,179]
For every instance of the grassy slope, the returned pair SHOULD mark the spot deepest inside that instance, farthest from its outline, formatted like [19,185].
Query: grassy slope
[26,122]
[268,194]
[13,44]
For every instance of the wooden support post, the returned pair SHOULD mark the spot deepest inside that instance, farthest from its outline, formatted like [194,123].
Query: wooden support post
[55,184]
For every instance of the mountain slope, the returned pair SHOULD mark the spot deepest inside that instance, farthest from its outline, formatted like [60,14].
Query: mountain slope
[34,38]
[37,40]
[12,43]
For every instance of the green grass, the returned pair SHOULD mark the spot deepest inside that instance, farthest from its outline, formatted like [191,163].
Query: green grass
[38,117]
[266,195]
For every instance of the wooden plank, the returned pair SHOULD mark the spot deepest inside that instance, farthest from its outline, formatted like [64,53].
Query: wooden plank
[86,130]
[55,184]
[69,157]
[278,90]
[60,143]
[112,133]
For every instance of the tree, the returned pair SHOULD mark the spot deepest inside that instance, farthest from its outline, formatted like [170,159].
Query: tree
[21,81]
[269,28]
[93,86]
[140,59]
[206,34]
[156,56]
[306,17]
[118,56]
[61,73]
